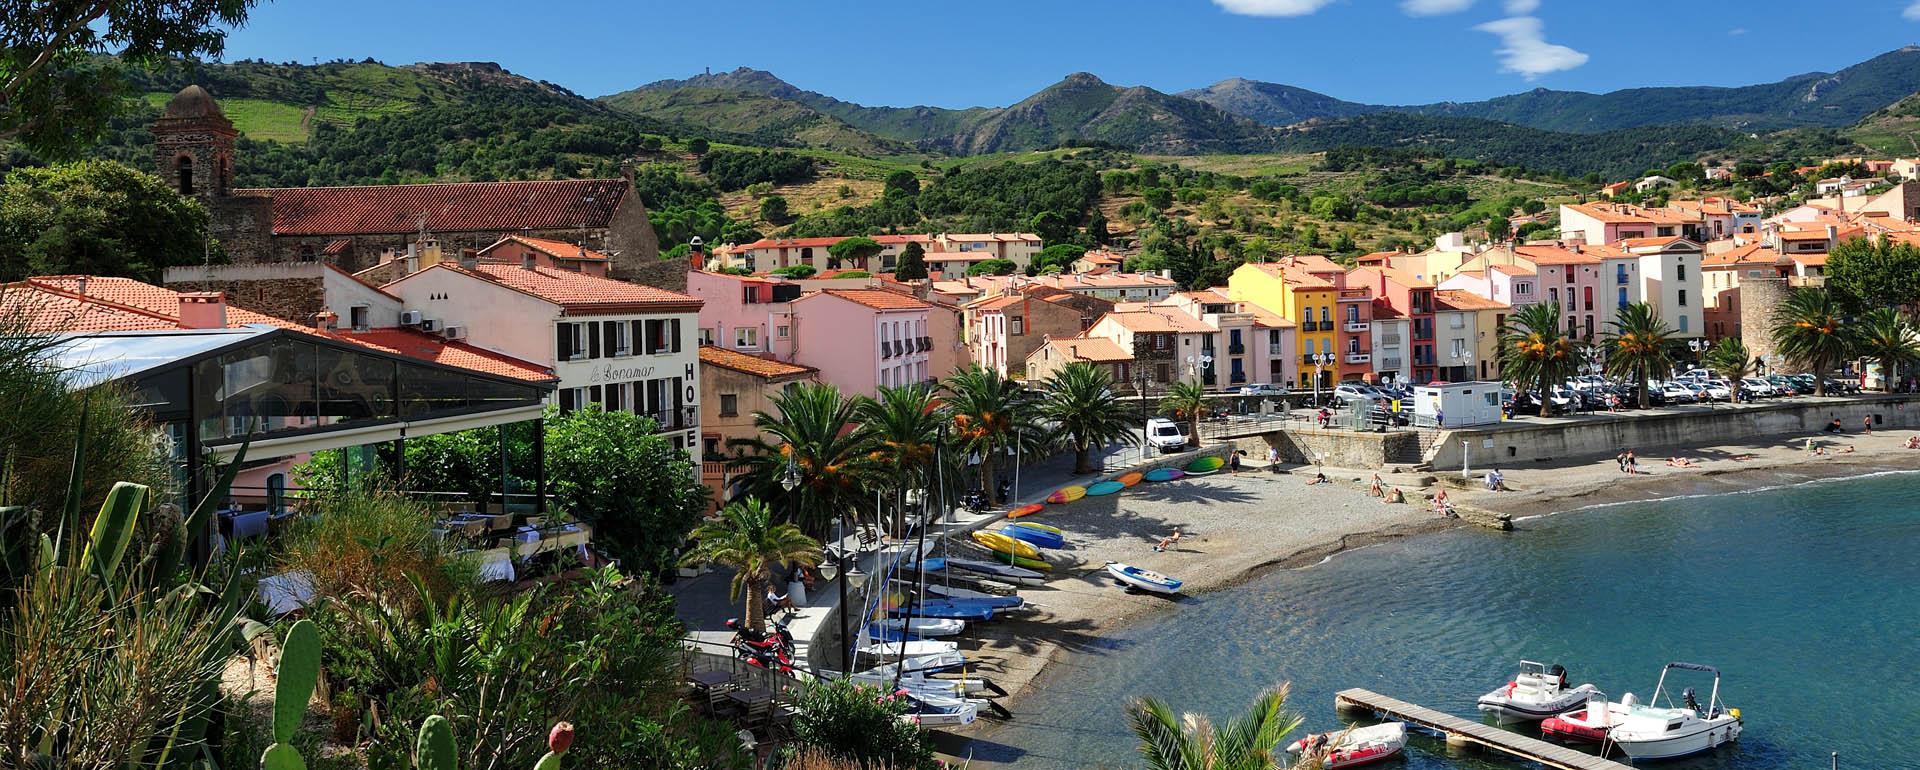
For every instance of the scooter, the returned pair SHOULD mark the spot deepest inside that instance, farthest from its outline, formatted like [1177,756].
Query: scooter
[774,651]
[975,501]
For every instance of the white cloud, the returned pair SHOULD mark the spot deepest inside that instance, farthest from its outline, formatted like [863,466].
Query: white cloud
[1522,7]
[1524,48]
[1272,7]
[1433,7]
[1912,13]
[1737,31]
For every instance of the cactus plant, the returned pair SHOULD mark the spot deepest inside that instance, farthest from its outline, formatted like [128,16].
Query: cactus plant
[435,751]
[113,527]
[298,672]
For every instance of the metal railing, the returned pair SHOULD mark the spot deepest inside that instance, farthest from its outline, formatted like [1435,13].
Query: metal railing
[1357,326]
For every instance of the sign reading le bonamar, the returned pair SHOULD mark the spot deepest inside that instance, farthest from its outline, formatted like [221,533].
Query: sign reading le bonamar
[611,373]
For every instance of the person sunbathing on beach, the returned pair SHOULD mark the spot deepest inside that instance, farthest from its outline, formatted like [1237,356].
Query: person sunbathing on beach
[1913,442]
[1820,451]
[1682,462]
[1318,478]
[1442,505]
[1168,542]
[1742,458]
[1846,450]
[1394,495]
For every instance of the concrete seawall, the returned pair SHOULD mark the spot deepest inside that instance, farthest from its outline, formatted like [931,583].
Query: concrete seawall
[1602,435]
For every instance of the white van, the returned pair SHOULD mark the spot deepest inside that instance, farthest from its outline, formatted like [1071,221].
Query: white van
[1166,435]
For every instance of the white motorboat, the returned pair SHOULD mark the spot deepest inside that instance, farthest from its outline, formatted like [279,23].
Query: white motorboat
[924,626]
[1143,579]
[921,655]
[1537,692]
[1656,731]
[929,710]
[1358,746]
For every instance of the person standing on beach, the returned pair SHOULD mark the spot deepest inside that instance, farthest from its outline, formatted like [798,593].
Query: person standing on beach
[1633,464]
[1621,460]
[1866,424]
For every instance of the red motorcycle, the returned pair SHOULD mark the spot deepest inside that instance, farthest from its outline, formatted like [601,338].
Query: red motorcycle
[774,651]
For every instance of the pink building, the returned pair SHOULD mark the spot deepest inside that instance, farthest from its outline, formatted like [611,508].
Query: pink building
[1578,282]
[747,314]
[1513,285]
[1410,297]
[862,339]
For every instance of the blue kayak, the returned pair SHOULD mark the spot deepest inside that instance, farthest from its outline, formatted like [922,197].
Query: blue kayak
[1034,536]
[956,609]
[935,564]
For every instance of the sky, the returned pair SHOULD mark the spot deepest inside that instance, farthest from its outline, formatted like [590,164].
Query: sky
[996,52]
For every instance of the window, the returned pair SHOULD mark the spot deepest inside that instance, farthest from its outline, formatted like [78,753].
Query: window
[783,331]
[1456,320]
[570,343]
[1523,288]
[357,316]
[1324,317]
[1353,314]
[615,395]
[1161,373]
[1018,324]
[616,338]
[663,336]
[1353,346]
[1568,272]
[184,167]
[729,405]
[1683,324]
[1680,271]
[747,338]
[1459,348]
[1553,295]
[1160,341]
[1683,298]
[706,335]
[1587,294]
[1623,296]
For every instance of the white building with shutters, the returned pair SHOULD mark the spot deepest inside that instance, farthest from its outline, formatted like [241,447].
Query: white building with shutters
[623,346]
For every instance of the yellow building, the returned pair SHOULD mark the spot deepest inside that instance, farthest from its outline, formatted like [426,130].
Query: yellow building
[1303,290]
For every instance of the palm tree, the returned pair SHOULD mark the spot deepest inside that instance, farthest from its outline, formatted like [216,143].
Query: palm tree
[814,439]
[1191,741]
[1079,399]
[746,539]
[1639,344]
[990,415]
[1535,352]
[1188,401]
[1887,337]
[1729,359]
[1808,330]
[904,423]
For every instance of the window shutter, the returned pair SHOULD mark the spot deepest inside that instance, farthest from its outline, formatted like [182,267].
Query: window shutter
[594,394]
[637,336]
[593,339]
[673,330]
[563,341]
[566,398]
[611,331]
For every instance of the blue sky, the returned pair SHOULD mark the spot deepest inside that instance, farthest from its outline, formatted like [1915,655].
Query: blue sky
[995,52]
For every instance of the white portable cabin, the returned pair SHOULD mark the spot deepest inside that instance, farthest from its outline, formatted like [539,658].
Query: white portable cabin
[1463,404]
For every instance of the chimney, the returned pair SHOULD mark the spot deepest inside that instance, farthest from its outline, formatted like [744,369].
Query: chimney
[413,258]
[80,286]
[469,258]
[203,310]
[1832,233]
[326,320]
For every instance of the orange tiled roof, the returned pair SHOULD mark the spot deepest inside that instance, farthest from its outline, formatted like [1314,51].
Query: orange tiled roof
[754,365]
[451,207]
[551,248]
[878,299]
[576,292]
[791,243]
[1456,299]
[1099,350]
[1554,255]
[1750,254]
[1626,213]
[1157,321]
[1512,270]
[156,300]
[417,344]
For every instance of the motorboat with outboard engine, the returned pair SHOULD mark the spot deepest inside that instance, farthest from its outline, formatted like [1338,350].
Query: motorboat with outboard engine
[1358,746]
[1537,692]
[1654,731]
[1585,725]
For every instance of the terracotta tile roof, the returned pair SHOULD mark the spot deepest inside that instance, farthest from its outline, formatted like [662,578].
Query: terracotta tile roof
[451,207]
[1641,243]
[1750,254]
[416,344]
[156,300]
[1157,320]
[1456,299]
[791,243]
[991,237]
[901,240]
[1265,318]
[1100,258]
[1814,259]
[1298,279]
[45,309]
[1512,270]
[878,299]
[1627,213]
[754,365]
[1099,350]
[551,248]
[1554,255]
[575,292]
[337,245]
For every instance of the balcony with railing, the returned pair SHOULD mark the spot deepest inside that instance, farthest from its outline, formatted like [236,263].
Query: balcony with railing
[1359,358]
[1354,295]
[886,350]
[1309,326]
[1423,360]
[674,419]
[1389,364]
[1236,348]
[1357,326]
[1237,378]
[1388,340]
[1275,349]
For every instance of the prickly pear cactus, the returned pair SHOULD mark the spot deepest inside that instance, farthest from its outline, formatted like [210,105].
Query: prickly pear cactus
[434,749]
[299,671]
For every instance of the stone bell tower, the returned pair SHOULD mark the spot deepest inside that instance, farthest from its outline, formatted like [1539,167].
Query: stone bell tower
[193,146]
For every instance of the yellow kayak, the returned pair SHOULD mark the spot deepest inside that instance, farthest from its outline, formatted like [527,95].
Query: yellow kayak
[1007,545]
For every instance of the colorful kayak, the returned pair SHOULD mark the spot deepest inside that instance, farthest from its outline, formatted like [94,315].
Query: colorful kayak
[1202,466]
[1105,488]
[1163,474]
[1026,510]
[1038,526]
[1001,572]
[1038,538]
[1024,562]
[1129,479]
[955,609]
[1007,544]
[1067,494]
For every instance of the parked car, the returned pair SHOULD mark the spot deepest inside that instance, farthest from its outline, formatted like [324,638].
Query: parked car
[1784,385]
[1166,435]
[1694,375]
[1760,387]
[1676,393]
[1349,390]
[1262,389]
[1715,390]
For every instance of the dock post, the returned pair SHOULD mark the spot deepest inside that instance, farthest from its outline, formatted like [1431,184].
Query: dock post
[1456,741]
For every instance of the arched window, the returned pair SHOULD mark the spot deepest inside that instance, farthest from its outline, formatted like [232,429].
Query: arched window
[184,167]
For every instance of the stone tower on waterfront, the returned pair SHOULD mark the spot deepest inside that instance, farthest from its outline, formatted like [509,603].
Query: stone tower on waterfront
[193,146]
[1758,298]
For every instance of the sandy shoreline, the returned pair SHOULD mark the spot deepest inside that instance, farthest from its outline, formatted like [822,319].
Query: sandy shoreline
[1241,526]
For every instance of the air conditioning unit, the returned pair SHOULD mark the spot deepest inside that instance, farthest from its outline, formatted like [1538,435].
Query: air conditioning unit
[429,325]
[409,318]
[455,332]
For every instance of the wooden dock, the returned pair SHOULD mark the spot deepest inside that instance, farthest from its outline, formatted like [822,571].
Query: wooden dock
[1457,730]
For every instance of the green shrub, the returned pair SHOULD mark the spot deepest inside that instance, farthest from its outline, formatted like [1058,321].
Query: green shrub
[860,724]
[795,272]
[371,542]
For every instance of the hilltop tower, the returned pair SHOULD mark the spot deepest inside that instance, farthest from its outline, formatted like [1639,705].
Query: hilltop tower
[193,146]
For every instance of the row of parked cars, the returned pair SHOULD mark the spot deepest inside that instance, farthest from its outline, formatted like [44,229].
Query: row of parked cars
[1588,393]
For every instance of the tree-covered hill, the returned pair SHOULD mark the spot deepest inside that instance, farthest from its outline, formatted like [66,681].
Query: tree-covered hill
[767,119]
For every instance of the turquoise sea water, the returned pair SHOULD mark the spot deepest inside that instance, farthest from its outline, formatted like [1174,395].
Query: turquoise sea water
[1807,598]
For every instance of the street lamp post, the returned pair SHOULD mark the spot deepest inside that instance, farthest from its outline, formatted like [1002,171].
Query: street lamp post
[1140,377]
